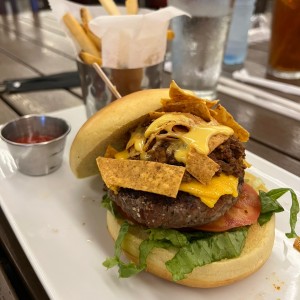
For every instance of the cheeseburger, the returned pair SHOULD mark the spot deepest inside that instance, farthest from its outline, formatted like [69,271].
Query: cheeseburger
[180,204]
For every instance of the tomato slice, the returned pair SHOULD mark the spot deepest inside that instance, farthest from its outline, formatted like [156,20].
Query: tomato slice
[245,212]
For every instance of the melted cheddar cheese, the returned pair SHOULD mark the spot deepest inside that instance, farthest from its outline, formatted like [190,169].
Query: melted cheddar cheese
[187,134]
[210,193]
[197,135]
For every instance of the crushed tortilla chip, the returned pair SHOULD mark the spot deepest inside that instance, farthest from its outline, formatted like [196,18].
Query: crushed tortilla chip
[110,152]
[141,175]
[195,107]
[246,164]
[225,118]
[201,166]
[155,114]
[297,243]
[177,94]
[179,99]
[216,140]
[211,103]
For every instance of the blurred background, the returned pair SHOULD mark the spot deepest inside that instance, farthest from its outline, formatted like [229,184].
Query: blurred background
[15,6]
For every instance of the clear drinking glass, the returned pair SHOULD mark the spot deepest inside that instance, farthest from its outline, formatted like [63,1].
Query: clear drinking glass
[237,42]
[284,52]
[198,46]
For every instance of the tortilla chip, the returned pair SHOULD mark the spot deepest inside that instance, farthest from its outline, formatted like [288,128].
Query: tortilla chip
[216,140]
[196,108]
[201,166]
[178,102]
[141,175]
[211,103]
[175,92]
[247,164]
[155,114]
[297,243]
[110,152]
[225,118]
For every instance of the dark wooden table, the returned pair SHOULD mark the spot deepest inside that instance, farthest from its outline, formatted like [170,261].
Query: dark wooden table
[34,45]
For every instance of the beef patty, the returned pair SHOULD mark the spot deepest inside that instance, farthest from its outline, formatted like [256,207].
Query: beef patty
[229,156]
[153,210]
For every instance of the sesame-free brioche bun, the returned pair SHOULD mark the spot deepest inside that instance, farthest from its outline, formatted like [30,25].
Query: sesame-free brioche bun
[258,248]
[108,125]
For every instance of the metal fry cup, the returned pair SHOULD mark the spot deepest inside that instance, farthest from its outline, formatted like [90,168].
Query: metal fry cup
[36,142]
[96,94]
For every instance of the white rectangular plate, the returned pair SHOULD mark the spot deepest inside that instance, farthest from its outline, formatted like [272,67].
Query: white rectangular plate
[61,226]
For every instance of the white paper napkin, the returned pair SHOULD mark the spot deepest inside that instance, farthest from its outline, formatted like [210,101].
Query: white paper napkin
[128,41]
[134,41]
[243,75]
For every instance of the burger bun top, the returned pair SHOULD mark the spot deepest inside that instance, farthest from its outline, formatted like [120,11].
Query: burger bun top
[107,127]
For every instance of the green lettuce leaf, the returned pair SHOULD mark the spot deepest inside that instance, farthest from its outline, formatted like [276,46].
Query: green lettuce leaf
[125,269]
[270,205]
[147,246]
[196,248]
[208,248]
[108,204]
[175,237]
[205,251]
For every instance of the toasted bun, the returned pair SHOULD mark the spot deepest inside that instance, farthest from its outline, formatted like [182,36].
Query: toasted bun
[108,126]
[258,247]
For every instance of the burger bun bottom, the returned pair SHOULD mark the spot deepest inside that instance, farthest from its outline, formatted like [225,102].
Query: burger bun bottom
[257,249]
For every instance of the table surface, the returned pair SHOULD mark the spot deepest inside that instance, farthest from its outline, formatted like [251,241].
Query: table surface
[34,45]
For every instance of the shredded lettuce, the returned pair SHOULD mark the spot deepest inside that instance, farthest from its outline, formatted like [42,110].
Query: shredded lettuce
[270,205]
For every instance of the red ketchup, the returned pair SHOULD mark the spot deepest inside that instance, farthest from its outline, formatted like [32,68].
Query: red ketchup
[34,139]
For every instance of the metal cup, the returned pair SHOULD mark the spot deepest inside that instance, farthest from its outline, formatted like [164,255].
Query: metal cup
[33,157]
[96,94]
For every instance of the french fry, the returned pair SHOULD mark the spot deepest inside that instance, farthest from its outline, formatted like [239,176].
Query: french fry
[80,36]
[110,6]
[86,16]
[89,58]
[132,7]
[94,38]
